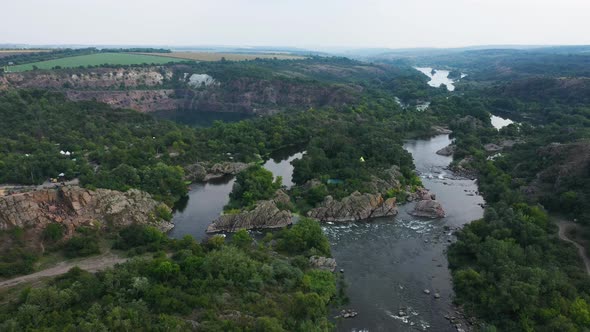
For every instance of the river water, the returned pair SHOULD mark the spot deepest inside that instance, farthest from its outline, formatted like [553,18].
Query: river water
[205,201]
[387,262]
[499,122]
[440,77]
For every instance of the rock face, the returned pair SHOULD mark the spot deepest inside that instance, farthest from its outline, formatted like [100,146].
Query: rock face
[203,172]
[385,182]
[491,147]
[322,263]
[438,130]
[266,214]
[428,208]
[447,151]
[226,168]
[75,206]
[151,88]
[355,207]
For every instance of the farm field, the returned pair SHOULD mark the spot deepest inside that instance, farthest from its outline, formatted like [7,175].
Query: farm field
[216,56]
[97,59]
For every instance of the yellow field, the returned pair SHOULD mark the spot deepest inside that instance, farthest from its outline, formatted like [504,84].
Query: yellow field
[214,56]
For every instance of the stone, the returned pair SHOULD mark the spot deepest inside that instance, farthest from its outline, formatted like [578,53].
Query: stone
[348,313]
[323,263]
[438,130]
[447,150]
[429,209]
[436,295]
[491,147]
[195,172]
[73,207]
[427,291]
[355,207]
[266,214]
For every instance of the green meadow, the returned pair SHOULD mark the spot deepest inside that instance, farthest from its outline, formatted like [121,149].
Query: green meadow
[95,60]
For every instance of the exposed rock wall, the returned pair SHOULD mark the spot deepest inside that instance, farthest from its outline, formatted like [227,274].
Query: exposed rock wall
[206,172]
[265,215]
[355,207]
[149,89]
[75,206]
[427,206]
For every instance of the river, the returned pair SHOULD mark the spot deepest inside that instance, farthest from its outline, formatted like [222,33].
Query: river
[438,77]
[387,262]
[499,122]
[205,201]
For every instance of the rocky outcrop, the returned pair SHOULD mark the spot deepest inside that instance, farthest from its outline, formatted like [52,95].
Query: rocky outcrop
[438,130]
[225,168]
[150,89]
[386,181]
[266,214]
[139,100]
[491,147]
[195,172]
[448,150]
[427,206]
[322,263]
[355,207]
[205,172]
[75,206]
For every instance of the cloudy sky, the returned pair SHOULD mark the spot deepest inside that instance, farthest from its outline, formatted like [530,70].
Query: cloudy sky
[301,23]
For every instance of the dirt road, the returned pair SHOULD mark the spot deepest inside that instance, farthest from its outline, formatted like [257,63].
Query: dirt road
[91,264]
[564,227]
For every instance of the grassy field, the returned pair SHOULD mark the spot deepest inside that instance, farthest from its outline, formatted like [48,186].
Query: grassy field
[97,59]
[216,56]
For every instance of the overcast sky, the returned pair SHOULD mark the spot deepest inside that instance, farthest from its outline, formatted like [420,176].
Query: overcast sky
[301,23]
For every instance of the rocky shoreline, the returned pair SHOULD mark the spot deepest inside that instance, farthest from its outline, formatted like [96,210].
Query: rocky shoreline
[356,207]
[266,214]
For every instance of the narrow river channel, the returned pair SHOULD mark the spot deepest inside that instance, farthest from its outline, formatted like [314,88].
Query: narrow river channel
[387,262]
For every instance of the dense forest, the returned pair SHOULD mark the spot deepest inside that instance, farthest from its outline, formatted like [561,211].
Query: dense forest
[180,285]
[510,269]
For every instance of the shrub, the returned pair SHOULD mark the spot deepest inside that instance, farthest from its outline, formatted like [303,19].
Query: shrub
[53,232]
[80,246]
[305,237]
[164,212]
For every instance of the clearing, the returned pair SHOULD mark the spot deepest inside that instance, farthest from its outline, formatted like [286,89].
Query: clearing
[90,264]
[98,59]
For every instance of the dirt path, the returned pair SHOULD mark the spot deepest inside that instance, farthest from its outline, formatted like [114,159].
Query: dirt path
[91,264]
[564,227]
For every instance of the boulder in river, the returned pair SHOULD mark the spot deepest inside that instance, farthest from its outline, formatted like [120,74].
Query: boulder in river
[266,214]
[448,150]
[429,209]
[355,207]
